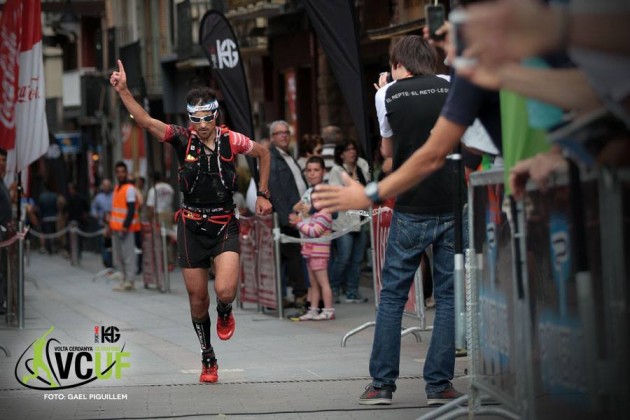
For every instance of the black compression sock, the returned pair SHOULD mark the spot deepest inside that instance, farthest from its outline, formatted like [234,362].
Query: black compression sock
[202,328]
[223,308]
[208,358]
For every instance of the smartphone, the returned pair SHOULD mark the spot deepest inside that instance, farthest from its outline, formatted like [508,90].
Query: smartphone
[434,14]
[458,18]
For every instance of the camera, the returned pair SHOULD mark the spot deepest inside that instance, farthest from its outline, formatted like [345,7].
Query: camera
[388,78]
[434,15]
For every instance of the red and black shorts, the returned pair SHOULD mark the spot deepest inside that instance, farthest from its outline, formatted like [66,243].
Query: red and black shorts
[201,237]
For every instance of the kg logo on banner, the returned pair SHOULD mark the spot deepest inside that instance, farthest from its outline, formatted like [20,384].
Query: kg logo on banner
[226,54]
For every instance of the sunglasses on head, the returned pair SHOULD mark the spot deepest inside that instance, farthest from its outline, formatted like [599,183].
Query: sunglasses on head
[206,118]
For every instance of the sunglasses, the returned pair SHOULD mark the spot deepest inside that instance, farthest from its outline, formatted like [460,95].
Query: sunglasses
[207,118]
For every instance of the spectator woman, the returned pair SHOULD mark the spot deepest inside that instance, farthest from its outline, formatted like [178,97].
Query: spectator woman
[349,248]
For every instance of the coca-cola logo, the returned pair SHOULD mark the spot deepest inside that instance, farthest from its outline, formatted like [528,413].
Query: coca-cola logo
[29,92]
[9,51]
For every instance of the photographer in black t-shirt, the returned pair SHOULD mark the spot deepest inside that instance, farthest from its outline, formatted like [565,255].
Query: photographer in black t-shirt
[407,110]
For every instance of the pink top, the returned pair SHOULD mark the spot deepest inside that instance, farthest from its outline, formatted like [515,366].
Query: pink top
[318,225]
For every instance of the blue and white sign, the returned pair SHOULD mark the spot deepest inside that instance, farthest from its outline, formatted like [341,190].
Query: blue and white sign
[70,143]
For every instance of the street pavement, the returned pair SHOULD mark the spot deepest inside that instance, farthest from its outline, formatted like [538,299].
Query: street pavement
[271,369]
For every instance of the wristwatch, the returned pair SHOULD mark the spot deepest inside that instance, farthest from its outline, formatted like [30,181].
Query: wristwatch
[265,194]
[371,192]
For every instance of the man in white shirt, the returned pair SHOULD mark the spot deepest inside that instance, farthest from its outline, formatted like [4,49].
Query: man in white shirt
[160,201]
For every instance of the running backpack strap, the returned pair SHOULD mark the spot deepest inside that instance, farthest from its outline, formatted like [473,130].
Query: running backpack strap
[227,155]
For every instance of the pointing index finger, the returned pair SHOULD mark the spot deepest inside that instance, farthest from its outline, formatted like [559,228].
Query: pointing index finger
[120,67]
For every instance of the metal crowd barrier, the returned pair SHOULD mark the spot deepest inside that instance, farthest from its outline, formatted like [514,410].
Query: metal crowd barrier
[380,222]
[72,231]
[260,276]
[260,261]
[11,247]
[14,254]
[155,242]
[548,299]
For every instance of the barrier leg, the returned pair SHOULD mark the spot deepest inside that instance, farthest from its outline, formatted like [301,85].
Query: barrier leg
[356,331]
[74,244]
[27,254]
[413,330]
[276,248]
[460,300]
[375,265]
[20,302]
[10,285]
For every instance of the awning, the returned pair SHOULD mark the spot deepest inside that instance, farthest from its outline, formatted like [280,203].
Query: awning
[253,11]
[395,30]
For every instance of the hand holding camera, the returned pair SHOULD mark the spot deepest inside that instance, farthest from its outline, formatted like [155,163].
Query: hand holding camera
[383,79]
[435,18]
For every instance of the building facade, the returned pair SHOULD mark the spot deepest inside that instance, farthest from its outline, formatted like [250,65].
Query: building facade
[287,71]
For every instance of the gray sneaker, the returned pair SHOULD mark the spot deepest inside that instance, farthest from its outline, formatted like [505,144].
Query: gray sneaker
[376,396]
[443,397]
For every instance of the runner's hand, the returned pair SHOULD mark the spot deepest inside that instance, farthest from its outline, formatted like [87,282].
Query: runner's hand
[118,78]
[263,206]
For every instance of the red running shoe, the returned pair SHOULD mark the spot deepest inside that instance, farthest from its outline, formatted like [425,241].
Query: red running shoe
[209,373]
[226,326]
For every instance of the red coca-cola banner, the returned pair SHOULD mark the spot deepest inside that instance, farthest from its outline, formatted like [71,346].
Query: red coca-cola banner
[23,127]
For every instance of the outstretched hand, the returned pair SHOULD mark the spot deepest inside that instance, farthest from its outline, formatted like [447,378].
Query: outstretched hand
[332,198]
[118,78]
[539,169]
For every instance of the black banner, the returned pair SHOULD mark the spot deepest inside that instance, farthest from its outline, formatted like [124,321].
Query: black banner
[219,43]
[336,26]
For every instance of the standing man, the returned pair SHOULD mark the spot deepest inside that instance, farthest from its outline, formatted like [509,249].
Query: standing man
[100,210]
[77,210]
[51,205]
[102,202]
[160,201]
[287,185]
[206,226]
[124,222]
[159,206]
[407,112]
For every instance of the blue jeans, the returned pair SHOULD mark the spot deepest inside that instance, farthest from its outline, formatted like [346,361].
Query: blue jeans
[346,267]
[409,235]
